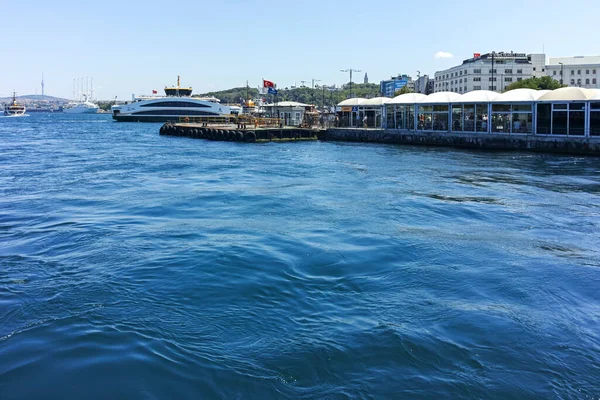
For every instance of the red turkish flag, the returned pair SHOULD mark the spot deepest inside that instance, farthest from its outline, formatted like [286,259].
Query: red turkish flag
[268,84]
[154,92]
[476,55]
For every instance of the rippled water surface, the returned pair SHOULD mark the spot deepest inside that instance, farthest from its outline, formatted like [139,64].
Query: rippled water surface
[139,266]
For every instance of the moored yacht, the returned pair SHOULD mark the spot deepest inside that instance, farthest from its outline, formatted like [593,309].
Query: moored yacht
[176,103]
[84,107]
[14,109]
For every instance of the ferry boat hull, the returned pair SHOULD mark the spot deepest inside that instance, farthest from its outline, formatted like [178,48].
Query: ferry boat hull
[166,109]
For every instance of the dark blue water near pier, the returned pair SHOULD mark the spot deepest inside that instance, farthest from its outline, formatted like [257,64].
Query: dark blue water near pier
[135,266]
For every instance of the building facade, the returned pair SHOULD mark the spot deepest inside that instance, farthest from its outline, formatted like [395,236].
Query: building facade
[390,86]
[430,86]
[581,71]
[422,84]
[477,73]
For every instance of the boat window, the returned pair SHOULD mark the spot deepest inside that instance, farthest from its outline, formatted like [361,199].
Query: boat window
[182,113]
[176,104]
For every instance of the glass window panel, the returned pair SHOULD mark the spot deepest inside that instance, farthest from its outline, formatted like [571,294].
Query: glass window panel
[469,114]
[390,117]
[560,106]
[400,120]
[345,118]
[481,122]
[577,106]
[500,107]
[440,121]
[421,121]
[457,120]
[577,123]
[440,108]
[522,107]
[424,109]
[595,106]
[595,123]
[543,119]
[559,123]
[410,118]
[522,123]
[501,123]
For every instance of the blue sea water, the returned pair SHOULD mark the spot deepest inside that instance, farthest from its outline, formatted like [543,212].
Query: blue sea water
[138,266]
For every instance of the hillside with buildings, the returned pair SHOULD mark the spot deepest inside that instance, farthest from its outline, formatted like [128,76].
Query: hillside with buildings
[35,98]
[319,95]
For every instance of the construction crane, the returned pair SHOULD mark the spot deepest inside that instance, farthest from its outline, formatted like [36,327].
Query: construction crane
[303,83]
[351,70]
[313,82]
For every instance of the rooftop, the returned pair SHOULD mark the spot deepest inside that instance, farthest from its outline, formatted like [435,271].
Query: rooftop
[482,96]
[578,60]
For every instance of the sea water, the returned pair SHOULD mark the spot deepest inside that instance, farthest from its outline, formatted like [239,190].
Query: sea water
[134,265]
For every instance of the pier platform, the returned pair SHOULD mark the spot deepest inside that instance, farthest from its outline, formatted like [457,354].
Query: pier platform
[499,142]
[261,131]
[240,133]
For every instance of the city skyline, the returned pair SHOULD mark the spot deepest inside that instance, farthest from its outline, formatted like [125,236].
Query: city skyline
[131,48]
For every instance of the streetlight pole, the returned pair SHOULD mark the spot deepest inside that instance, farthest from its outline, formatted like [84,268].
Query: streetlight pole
[561,73]
[351,70]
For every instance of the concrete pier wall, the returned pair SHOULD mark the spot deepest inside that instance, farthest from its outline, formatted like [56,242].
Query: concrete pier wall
[546,144]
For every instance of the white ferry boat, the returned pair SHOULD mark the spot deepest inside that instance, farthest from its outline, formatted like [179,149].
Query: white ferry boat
[14,109]
[176,103]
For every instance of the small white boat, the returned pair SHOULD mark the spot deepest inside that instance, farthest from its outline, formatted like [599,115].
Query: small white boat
[14,109]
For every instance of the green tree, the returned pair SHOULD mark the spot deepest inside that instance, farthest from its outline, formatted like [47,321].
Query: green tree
[234,95]
[543,83]
[403,90]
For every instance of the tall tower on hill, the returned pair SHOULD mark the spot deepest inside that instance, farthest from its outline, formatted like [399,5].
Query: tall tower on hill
[42,83]
[366,78]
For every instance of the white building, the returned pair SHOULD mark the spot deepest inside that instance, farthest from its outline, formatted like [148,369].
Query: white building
[477,73]
[580,71]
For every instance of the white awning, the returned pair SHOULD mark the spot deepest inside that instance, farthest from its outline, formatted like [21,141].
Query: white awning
[440,98]
[408,98]
[478,96]
[568,94]
[357,101]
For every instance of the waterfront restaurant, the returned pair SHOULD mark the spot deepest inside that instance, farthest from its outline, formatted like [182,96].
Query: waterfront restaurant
[351,112]
[569,111]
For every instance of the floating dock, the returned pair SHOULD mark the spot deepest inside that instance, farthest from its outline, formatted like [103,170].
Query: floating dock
[232,134]
[239,129]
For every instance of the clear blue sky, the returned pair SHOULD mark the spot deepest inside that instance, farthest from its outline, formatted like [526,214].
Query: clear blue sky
[133,46]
